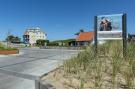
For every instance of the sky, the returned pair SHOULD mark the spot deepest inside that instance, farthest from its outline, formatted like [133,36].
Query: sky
[60,19]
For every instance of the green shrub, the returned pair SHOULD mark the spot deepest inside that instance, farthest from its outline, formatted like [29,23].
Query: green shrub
[52,44]
[41,42]
[2,47]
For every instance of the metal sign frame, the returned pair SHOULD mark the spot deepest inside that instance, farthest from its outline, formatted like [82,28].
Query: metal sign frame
[124,34]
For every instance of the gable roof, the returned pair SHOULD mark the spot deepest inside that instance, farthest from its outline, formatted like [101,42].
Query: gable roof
[85,36]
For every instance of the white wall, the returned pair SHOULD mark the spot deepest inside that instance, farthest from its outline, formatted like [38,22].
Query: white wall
[36,35]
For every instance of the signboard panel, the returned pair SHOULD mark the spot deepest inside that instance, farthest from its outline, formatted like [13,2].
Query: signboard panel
[109,27]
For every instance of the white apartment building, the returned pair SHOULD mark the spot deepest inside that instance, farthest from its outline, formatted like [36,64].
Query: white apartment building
[31,35]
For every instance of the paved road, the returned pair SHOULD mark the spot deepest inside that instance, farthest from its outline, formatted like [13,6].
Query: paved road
[33,61]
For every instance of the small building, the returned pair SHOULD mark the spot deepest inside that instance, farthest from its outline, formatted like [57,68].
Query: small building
[31,35]
[131,37]
[66,42]
[84,38]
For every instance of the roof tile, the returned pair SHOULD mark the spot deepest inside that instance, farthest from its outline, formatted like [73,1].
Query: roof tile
[85,36]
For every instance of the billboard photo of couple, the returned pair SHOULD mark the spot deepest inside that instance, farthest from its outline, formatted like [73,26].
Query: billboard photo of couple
[109,22]
[109,27]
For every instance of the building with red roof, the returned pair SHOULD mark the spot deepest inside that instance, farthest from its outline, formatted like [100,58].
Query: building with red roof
[84,38]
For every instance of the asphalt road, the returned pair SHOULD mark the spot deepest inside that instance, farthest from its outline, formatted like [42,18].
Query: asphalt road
[32,61]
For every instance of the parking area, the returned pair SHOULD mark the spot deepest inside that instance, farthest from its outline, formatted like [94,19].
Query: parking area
[32,61]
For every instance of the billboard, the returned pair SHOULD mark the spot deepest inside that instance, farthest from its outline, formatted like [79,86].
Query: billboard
[109,27]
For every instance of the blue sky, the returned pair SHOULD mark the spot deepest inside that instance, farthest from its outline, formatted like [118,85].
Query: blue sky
[60,19]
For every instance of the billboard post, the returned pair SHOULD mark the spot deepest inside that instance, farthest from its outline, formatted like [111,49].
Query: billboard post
[124,28]
[95,36]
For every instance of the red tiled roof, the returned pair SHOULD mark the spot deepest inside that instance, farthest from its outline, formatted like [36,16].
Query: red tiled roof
[85,36]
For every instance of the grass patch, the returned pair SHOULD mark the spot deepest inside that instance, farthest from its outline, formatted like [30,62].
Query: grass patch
[109,70]
[3,47]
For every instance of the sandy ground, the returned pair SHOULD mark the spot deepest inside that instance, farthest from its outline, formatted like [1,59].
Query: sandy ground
[57,80]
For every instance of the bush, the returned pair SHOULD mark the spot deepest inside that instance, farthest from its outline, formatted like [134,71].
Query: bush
[41,42]
[52,44]
[2,47]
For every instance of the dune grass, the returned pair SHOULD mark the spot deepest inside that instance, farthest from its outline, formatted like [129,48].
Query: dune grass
[109,70]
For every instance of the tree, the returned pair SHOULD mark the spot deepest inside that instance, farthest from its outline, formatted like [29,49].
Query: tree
[53,44]
[41,42]
[13,39]
[81,30]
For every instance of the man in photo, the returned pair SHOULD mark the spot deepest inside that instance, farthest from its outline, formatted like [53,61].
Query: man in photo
[105,25]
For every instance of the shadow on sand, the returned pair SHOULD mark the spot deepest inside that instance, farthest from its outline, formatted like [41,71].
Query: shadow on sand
[47,86]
